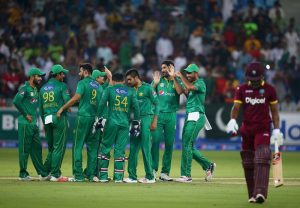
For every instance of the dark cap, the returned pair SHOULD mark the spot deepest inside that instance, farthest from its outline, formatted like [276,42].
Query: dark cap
[254,71]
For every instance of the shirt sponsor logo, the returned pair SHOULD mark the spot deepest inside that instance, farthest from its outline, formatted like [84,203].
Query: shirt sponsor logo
[140,94]
[266,134]
[33,100]
[48,87]
[121,91]
[94,85]
[261,91]
[31,93]
[254,101]
[160,92]
[248,91]
[162,85]
[154,93]
[22,92]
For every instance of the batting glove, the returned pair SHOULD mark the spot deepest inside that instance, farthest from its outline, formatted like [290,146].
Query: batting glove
[232,127]
[98,124]
[135,129]
[277,136]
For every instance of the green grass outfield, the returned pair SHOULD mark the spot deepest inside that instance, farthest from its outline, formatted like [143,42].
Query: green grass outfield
[227,190]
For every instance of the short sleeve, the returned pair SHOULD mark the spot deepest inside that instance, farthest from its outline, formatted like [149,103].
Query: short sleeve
[80,88]
[272,96]
[238,97]
[200,86]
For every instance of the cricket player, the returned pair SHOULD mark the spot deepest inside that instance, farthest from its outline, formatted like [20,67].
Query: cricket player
[26,101]
[168,91]
[88,93]
[149,110]
[53,95]
[195,120]
[121,101]
[257,98]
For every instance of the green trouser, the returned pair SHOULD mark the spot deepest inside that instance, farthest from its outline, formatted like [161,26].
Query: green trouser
[117,136]
[56,136]
[166,126]
[142,141]
[190,133]
[30,144]
[83,134]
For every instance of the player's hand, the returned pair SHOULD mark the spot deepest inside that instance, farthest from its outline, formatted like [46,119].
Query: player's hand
[171,71]
[232,127]
[98,124]
[59,112]
[153,126]
[178,74]
[29,118]
[156,77]
[135,128]
[277,136]
[108,73]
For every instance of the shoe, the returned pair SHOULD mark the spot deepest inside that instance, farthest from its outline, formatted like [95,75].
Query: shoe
[184,179]
[95,179]
[146,180]
[72,179]
[209,172]
[260,198]
[60,179]
[46,178]
[129,180]
[252,200]
[26,178]
[118,181]
[103,180]
[165,177]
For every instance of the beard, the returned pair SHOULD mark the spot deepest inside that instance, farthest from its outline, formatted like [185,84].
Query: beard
[36,82]
[165,74]
[255,84]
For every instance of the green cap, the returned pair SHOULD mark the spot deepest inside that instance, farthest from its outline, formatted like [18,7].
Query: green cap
[57,68]
[96,73]
[192,68]
[35,71]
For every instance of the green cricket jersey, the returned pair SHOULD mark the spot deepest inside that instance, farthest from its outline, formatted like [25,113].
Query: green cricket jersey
[196,98]
[90,95]
[53,95]
[167,96]
[27,101]
[121,100]
[105,85]
[148,100]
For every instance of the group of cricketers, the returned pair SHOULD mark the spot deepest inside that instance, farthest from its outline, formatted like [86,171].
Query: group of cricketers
[113,109]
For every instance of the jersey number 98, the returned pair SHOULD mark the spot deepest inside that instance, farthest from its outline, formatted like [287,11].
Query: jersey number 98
[48,96]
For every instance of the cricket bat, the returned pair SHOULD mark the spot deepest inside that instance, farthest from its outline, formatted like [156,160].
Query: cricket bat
[277,166]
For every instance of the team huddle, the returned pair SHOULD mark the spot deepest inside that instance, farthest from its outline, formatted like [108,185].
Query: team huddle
[119,108]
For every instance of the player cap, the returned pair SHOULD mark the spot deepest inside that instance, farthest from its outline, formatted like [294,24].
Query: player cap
[57,68]
[96,73]
[254,71]
[35,71]
[192,68]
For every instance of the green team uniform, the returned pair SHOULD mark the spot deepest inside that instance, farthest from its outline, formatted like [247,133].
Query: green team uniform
[121,100]
[26,101]
[166,125]
[148,104]
[194,104]
[90,95]
[53,95]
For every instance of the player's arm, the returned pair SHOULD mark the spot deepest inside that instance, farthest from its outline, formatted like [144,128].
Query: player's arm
[103,102]
[154,100]
[275,115]
[136,107]
[41,106]
[17,101]
[277,136]
[178,88]
[188,85]
[108,75]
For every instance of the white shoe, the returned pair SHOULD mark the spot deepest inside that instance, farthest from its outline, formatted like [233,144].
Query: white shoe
[165,177]
[146,180]
[260,198]
[118,181]
[210,171]
[184,179]
[46,178]
[252,200]
[60,179]
[27,178]
[73,179]
[129,180]
[95,179]
[104,180]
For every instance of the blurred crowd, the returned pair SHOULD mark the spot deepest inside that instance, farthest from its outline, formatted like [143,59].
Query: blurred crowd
[219,36]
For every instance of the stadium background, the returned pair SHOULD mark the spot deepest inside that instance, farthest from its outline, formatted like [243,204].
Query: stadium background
[123,34]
